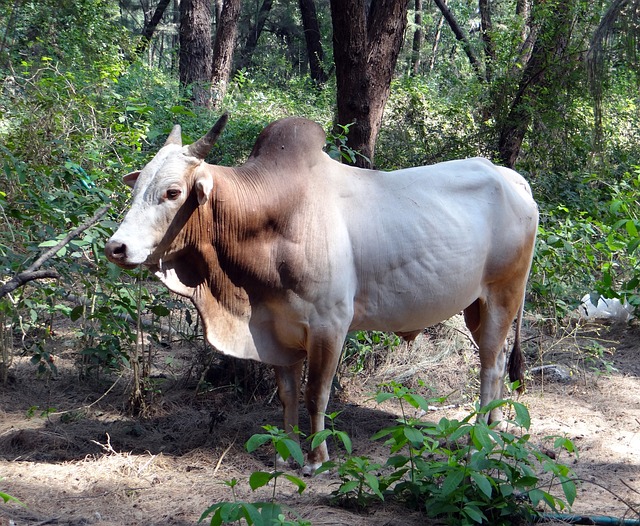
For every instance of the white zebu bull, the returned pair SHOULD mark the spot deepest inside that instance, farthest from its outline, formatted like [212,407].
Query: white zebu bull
[284,255]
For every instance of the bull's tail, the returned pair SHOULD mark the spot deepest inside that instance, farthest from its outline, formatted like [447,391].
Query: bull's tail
[516,360]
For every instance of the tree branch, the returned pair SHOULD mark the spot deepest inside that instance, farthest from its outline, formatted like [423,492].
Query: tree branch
[32,272]
[460,35]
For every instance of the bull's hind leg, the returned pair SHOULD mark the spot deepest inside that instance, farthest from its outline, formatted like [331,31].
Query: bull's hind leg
[489,320]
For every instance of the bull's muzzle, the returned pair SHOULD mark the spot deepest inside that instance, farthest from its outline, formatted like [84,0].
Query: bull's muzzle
[116,252]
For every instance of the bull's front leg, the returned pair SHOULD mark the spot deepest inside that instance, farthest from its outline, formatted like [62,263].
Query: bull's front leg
[323,358]
[288,379]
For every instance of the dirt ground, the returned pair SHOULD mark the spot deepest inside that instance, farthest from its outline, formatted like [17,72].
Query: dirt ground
[71,452]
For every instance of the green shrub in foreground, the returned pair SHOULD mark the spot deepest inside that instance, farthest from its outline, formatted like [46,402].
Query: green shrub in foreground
[463,471]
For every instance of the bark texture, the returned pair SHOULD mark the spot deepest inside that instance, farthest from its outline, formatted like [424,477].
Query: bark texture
[223,50]
[366,44]
[538,75]
[195,49]
[313,41]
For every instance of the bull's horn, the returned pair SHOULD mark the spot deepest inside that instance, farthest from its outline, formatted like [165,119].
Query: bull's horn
[175,137]
[202,146]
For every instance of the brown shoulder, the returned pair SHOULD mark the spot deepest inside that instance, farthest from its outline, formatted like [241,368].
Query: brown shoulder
[289,139]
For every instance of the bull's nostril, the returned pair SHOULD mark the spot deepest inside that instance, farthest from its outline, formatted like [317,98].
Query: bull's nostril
[115,251]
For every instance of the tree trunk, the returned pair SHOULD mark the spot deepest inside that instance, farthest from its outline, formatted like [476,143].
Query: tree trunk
[312,38]
[461,36]
[254,35]
[536,81]
[523,10]
[195,49]
[436,41]
[365,50]
[417,38]
[150,27]
[487,39]
[223,50]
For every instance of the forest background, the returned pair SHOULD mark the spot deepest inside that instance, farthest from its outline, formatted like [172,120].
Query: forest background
[91,88]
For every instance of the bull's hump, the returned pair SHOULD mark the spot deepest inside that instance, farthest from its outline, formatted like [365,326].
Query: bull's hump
[288,140]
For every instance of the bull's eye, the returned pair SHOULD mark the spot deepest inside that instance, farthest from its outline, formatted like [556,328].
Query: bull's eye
[173,194]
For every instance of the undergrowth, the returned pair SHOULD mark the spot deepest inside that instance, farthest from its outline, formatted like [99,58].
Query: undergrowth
[462,471]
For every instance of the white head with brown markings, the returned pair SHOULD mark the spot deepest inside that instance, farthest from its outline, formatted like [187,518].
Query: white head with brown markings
[160,189]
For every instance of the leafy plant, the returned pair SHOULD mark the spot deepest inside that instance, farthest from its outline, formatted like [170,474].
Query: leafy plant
[361,345]
[469,471]
[589,243]
[360,483]
[261,513]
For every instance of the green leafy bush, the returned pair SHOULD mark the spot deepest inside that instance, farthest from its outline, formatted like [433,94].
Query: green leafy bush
[262,513]
[465,471]
[588,242]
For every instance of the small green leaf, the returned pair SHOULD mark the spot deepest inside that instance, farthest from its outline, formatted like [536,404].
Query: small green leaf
[269,513]
[348,486]
[259,479]
[523,418]
[535,495]
[451,483]
[160,310]
[298,482]
[76,313]
[374,484]
[569,489]
[320,437]
[483,483]
[257,440]
[414,436]
[632,230]
[474,513]
[346,441]
[288,447]
[383,397]
[50,243]
[480,437]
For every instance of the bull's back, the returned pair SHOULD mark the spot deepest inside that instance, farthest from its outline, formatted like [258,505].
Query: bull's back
[426,240]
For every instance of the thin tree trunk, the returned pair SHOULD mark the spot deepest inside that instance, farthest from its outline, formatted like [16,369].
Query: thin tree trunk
[223,50]
[417,38]
[546,58]
[436,41]
[596,73]
[150,27]
[365,50]
[487,39]
[254,35]
[195,49]
[462,37]
[315,52]
[10,22]
[523,10]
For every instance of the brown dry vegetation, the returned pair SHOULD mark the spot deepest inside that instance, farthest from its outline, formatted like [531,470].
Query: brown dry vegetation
[87,461]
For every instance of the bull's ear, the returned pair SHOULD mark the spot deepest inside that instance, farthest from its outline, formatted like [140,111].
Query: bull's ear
[204,186]
[130,179]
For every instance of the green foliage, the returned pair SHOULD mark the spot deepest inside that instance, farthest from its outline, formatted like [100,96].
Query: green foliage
[588,243]
[465,471]
[9,498]
[361,345]
[261,513]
